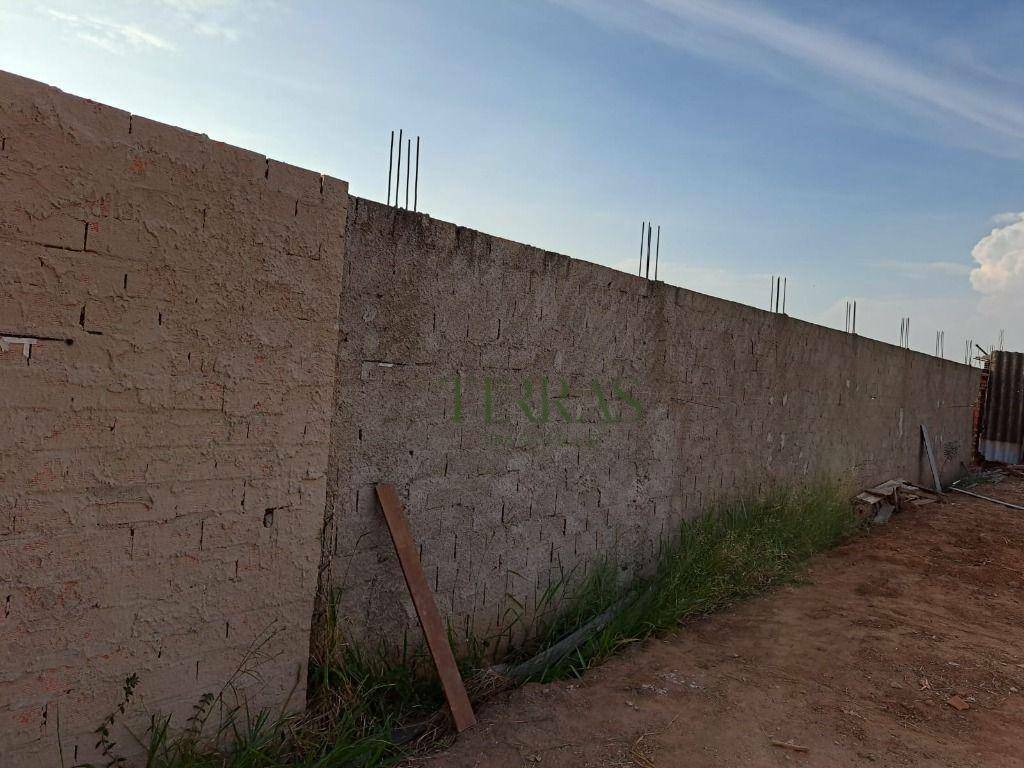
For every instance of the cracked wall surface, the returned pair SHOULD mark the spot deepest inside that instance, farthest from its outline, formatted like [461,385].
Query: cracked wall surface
[164,444]
[500,500]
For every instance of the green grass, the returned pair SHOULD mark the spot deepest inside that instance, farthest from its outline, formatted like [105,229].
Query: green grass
[361,709]
[364,706]
[742,548]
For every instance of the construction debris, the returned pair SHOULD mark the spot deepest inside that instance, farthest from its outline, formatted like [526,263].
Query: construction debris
[990,476]
[957,703]
[988,498]
[790,745]
[563,647]
[879,503]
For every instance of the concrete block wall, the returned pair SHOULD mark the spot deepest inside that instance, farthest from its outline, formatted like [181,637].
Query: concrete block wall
[191,434]
[164,445]
[501,502]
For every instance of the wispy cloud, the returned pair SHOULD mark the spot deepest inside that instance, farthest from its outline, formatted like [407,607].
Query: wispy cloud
[758,37]
[110,35]
[925,268]
[119,27]
[198,5]
[208,17]
[1002,219]
[211,29]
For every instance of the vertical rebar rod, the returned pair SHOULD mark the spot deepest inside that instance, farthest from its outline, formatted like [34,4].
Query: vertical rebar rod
[778,292]
[408,166]
[855,317]
[647,271]
[391,163]
[785,285]
[657,253]
[416,185]
[771,295]
[398,172]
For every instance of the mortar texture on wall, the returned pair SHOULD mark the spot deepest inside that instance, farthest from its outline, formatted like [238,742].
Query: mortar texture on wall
[162,471]
[733,399]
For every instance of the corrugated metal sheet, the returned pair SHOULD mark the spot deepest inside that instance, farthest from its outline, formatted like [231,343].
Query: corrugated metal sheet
[1002,431]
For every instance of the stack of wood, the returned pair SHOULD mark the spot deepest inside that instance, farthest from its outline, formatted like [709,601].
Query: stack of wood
[879,503]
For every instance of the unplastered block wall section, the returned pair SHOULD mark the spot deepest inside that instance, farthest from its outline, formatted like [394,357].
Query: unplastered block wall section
[502,502]
[164,439]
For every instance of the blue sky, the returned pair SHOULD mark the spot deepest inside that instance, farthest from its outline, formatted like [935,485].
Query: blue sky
[869,150]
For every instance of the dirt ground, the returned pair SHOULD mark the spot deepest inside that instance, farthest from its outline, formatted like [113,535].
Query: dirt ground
[904,647]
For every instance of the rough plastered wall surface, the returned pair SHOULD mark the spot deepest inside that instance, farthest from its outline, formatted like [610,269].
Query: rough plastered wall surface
[164,440]
[674,399]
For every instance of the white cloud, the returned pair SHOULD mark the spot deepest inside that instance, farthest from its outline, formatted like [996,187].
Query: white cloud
[999,277]
[110,35]
[1000,257]
[759,38]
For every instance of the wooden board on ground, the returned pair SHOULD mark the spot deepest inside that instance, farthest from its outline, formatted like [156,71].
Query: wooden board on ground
[426,608]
